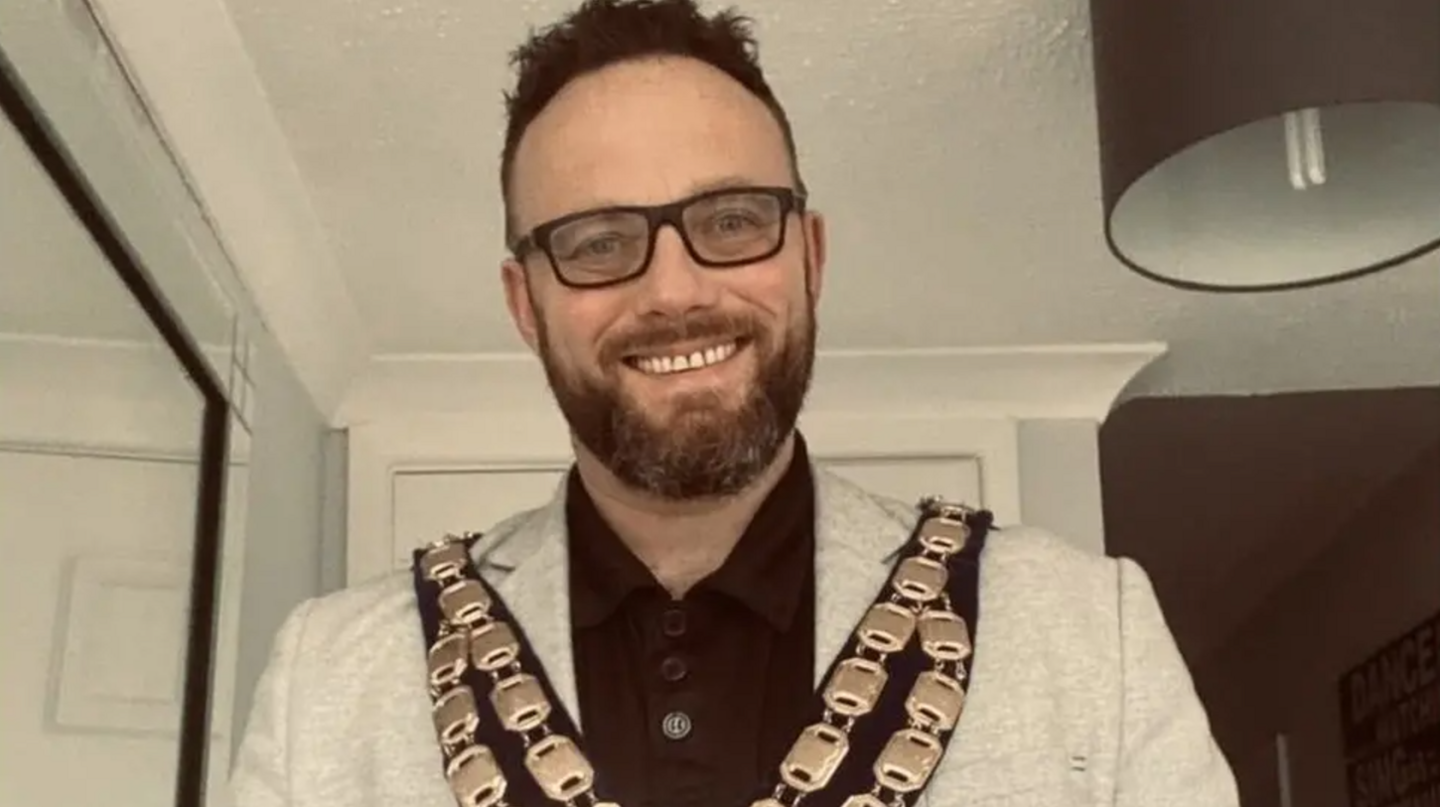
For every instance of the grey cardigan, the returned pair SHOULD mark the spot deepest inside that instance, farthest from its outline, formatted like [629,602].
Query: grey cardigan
[1079,695]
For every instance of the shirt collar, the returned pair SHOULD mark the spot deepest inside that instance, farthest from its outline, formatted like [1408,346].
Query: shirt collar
[766,571]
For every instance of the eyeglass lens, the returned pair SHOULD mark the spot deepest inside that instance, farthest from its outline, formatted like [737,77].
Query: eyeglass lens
[723,229]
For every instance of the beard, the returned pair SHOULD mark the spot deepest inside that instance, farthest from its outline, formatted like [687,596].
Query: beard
[706,447]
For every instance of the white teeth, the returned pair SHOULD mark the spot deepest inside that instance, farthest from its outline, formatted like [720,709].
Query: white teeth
[664,365]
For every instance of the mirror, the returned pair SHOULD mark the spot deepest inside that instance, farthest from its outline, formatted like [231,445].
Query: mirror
[115,460]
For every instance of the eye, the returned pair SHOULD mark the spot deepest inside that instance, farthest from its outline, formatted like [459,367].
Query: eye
[734,222]
[599,246]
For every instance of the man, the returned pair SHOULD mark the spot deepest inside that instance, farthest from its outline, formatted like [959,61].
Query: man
[701,617]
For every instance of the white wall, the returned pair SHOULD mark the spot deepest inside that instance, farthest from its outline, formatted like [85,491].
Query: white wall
[1060,479]
[296,478]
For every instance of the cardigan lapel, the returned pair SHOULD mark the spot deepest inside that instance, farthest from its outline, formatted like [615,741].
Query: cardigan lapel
[535,563]
[855,534]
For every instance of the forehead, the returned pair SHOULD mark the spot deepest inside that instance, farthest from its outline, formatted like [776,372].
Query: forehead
[644,132]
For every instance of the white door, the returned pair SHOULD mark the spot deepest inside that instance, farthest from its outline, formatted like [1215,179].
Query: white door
[414,480]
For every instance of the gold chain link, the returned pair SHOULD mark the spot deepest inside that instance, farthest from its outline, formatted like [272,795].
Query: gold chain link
[916,605]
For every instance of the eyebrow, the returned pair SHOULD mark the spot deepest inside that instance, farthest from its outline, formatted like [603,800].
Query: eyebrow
[720,184]
[724,183]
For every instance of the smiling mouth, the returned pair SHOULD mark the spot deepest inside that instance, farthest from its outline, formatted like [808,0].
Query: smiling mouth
[684,362]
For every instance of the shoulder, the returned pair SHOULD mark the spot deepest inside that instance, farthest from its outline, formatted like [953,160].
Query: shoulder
[1063,590]
[1017,556]
[385,606]
[1018,549]
[368,616]
[1046,567]
[1039,555]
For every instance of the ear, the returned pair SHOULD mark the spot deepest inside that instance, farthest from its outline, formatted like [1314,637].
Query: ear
[520,301]
[814,225]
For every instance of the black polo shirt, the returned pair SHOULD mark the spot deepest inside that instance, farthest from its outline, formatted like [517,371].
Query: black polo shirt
[693,702]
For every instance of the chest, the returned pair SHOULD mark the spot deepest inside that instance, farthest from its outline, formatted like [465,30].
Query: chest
[1027,738]
[691,702]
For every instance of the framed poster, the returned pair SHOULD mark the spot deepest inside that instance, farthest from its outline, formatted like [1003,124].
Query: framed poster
[1390,721]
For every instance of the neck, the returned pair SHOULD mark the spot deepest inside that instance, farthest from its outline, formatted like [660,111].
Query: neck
[680,542]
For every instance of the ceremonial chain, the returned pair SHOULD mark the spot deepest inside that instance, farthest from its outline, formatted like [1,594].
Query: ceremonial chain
[914,606]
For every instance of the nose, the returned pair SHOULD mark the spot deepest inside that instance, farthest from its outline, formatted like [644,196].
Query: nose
[674,284]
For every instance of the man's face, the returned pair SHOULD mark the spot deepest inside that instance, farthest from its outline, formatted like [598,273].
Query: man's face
[644,133]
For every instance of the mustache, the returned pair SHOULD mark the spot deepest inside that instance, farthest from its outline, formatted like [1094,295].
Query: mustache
[659,334]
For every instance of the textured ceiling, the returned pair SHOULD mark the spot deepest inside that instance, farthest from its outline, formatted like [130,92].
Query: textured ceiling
[55,281]
[951,144]
[1224,499]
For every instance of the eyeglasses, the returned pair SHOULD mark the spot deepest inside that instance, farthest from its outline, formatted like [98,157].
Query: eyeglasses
[721,229]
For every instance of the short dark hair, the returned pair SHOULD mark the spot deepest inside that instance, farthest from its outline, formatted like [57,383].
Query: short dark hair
[601,33]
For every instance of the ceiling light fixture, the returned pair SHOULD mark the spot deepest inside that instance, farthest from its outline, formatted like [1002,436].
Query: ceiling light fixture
[1260,145]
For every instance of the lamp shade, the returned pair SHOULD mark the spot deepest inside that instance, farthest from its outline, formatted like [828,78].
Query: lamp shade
[1253,145]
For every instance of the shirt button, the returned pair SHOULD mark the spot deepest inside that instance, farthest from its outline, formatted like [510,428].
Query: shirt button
[673,623]
[677,726]
[673,669]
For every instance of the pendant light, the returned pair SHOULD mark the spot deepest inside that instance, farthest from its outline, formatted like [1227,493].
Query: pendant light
[1259,145]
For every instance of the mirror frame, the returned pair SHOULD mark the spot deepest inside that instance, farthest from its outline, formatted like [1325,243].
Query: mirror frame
[25,113]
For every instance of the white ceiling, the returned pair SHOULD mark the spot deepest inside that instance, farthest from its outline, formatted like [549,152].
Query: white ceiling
[952,146]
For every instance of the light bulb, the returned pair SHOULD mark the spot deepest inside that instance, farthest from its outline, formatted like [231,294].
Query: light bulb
[1304,149]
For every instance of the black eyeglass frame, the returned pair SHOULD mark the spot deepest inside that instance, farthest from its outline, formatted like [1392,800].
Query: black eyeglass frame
[656,217]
